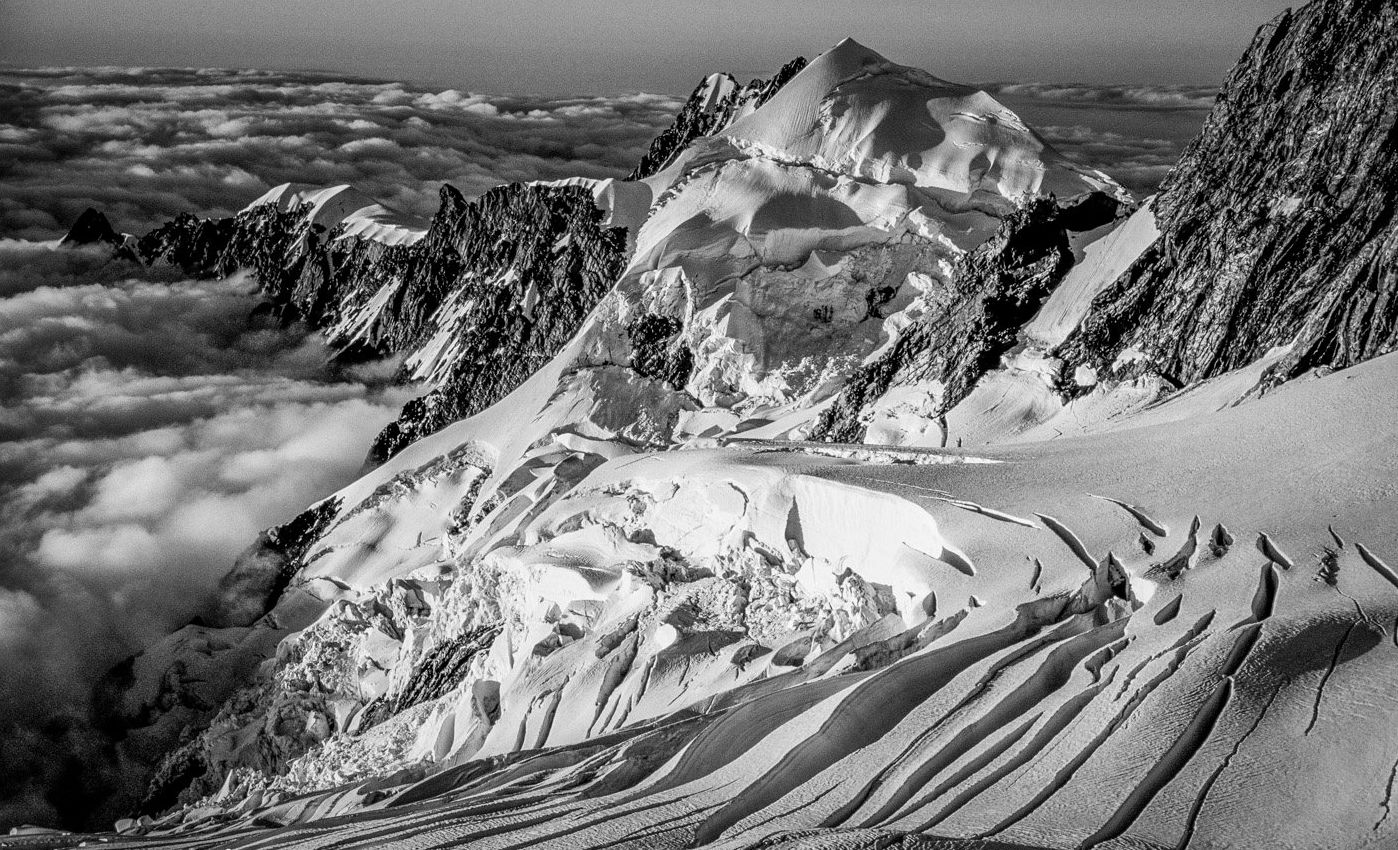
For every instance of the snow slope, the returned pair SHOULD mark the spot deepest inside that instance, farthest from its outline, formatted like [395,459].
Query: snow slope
[1079,644]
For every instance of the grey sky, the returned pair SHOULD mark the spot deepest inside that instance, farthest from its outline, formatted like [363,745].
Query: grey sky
[555,46]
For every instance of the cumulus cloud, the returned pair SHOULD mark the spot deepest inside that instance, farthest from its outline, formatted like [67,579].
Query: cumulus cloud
[145,144]
[148,432]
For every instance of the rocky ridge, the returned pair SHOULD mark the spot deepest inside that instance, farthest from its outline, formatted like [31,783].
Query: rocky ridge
[1272,240]
[715,104]
[1277,226]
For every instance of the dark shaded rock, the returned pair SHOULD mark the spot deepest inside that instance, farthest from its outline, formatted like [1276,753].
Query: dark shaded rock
[659,351]
[525,264]
[262,572]
[189,243]
[93,228]
[171,780]
[440,670]
[1278,223]
[530,262]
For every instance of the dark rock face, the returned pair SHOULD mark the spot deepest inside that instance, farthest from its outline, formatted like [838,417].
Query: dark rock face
[1278,223]
[659,351]
[93,228]
[998,287]
[189,243]
[695,120]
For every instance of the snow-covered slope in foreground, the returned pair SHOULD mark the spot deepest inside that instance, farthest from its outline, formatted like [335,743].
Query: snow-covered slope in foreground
[1167,635]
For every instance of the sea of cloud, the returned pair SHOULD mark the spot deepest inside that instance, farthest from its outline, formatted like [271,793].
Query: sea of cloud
[149,430]
[142,144]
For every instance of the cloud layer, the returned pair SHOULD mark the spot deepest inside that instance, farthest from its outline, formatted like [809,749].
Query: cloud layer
[1136,97]
[148,432]
[145,144]
[1134,133]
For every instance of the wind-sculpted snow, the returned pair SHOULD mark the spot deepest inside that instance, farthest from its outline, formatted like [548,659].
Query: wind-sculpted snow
[744,648]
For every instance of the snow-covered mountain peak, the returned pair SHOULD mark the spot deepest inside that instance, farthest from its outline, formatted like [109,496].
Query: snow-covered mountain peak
[853,112]
[332,205]
[716,87]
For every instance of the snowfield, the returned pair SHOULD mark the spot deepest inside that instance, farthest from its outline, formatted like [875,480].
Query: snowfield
[1064,643]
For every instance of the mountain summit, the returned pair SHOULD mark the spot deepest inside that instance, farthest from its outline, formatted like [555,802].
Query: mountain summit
[853,112]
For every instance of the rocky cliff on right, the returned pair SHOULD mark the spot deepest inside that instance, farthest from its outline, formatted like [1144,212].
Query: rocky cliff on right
[1277,226]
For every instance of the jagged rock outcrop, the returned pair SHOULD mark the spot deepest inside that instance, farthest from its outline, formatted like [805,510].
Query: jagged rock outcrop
[1277,226]
[996,289]
[193,245]
[658,349]
[716,103]
[514,274]
[264,570]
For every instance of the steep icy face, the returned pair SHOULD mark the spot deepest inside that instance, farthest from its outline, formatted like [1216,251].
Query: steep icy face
[1278,224]
[715,104]
[342,206]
